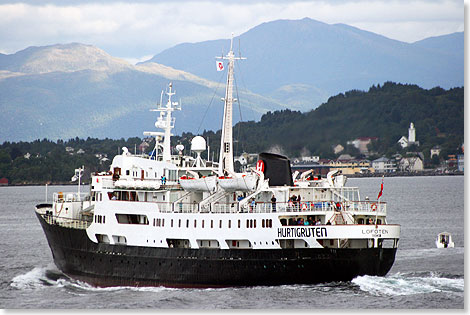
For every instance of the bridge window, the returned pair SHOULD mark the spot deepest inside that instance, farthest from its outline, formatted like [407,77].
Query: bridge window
[132,219]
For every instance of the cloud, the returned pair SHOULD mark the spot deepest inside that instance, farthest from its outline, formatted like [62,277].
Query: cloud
[134,61]
[143,28]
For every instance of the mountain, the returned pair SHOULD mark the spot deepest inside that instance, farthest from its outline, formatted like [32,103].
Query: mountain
[451,43]
[65,91]
[302,62]
[65,58]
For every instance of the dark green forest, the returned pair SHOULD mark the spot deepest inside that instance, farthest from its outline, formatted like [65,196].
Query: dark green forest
[384,111]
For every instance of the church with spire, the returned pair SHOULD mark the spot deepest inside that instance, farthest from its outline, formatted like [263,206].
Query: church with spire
[406,142]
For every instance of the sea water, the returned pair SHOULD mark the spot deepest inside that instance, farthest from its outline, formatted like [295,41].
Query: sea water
[423,276]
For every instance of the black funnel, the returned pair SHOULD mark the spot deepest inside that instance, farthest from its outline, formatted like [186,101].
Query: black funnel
[277,169]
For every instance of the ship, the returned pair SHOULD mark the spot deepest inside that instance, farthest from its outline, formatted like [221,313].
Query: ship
[176,220]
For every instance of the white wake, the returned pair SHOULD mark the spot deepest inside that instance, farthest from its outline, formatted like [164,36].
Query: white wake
[402,284]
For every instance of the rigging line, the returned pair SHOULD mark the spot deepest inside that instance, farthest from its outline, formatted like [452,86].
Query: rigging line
[210,103]
[253,116]
[240,111]
[238,98]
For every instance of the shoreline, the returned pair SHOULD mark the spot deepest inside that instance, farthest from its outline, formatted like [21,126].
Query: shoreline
[407,174]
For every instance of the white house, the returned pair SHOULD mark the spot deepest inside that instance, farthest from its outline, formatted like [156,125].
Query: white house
[338,148]
[383,165]
[310,158]
[361,143]
[436,150]
[403,141]
[411,164]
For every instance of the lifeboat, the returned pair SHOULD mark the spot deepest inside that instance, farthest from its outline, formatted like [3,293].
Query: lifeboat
[208,183]
[246,182]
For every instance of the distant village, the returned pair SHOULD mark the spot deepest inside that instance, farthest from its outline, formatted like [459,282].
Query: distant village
[411,164]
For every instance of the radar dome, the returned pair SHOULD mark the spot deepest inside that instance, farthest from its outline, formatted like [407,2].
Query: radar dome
[198,144]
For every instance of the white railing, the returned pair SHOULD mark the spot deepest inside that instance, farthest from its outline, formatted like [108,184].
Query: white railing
[358,207]
[66,222]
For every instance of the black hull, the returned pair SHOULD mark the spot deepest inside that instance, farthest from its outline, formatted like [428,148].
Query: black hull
[120,265]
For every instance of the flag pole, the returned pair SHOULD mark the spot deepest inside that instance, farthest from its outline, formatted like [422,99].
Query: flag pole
[378,200]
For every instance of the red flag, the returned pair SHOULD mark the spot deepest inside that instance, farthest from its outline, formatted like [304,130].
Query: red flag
[381,188]
[220,65]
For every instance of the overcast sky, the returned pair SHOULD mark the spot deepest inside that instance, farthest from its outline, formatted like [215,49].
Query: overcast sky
[137,30]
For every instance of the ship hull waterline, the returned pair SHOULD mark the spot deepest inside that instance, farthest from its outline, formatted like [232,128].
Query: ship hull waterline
[105,265]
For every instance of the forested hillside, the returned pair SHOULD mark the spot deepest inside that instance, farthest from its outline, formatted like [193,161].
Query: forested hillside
[383,111]
[44,161]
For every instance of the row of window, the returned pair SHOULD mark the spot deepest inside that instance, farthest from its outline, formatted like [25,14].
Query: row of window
[250,223]
[172,174]
[100,219]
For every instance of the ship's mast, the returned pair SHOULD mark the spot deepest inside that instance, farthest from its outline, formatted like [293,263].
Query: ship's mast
[226,140]
[165,122]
